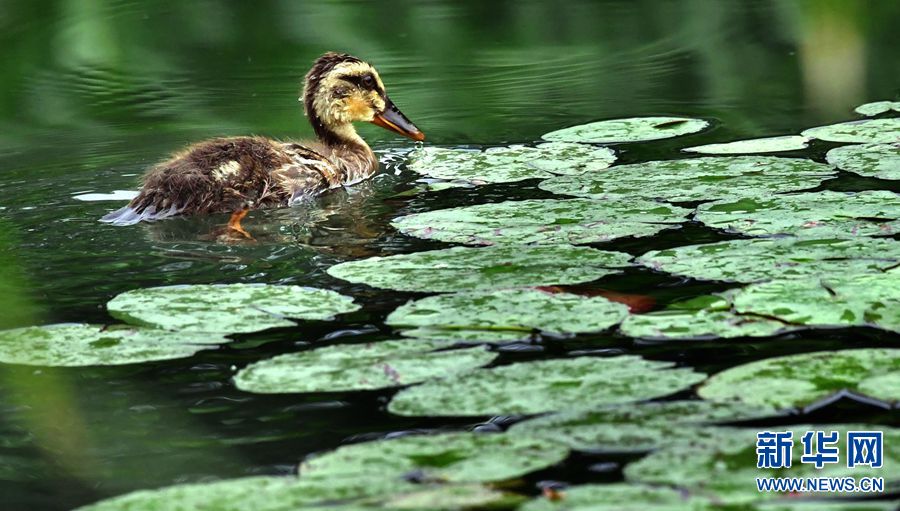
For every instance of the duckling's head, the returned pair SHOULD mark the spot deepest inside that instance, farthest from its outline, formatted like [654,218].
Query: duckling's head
[341,89]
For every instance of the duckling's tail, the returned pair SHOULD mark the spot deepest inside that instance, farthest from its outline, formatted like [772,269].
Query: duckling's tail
[129,215]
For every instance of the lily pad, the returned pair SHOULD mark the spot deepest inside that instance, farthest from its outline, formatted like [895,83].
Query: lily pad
[619,497]
[835,300]
[450,457]
[723,466]
[465,269]
[469,336]
[700,319]
[755,145]
[877,108]
[231,308]
[634,129]
[809,215]
[513,310]
[543,221]
[545,385]
[68,345]
[635,427]
[347,367]
[695,179]
[753,260]
[797,381]
[512,163]
[864,131]
[874,160]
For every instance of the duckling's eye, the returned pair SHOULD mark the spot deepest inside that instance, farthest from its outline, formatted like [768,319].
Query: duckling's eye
[368,82]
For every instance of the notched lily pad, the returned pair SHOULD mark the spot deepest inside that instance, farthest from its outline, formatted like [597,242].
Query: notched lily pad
[874,160]
[695,179]
[618,497]
[796,381]
[518,311]
[754,260]
[545,385]
[752,146]
[877,108]
[512,163]
[865,131]
[67,344]
[809,215]
[230,308]
[347,367]
[494,267]
[572,221]
[449,457]
[634,129]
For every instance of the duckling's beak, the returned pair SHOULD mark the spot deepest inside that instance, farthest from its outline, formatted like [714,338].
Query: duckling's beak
[393,119]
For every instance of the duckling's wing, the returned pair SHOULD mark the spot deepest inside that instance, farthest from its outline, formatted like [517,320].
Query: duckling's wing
[130,216]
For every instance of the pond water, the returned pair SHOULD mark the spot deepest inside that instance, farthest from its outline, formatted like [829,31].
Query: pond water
[93,92]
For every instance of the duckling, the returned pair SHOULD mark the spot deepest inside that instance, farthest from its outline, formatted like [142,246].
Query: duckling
[236,174]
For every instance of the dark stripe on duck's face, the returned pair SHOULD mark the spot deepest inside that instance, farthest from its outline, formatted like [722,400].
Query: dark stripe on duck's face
[365,82]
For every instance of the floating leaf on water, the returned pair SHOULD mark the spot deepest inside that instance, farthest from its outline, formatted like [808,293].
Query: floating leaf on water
[712,319]
[508,164]
[465,269]
[545,385]
[347,367]
[450,457]
[796,381]
[864,131]
[753,260]
[722,466]
[469,336]
[834,300]
[755,145]
[877,108]
[695,179]
[635,427]
[543,221]
[511,310]
[70,344]
[635,129]
[450,497]
[233,308]
[810,215]
[874,160]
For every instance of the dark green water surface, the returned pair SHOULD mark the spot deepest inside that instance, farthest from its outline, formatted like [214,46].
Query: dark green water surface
[93,92]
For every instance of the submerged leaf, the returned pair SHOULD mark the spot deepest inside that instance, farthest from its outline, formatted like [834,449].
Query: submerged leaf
[634,129]
[545,385]
[86,345]
[464,269]
[865,131]
[543,221]
[695,179]
[809,215]
[877,108]
[875,160]
[756,145]
[230,308]
[347,367]
[799,380]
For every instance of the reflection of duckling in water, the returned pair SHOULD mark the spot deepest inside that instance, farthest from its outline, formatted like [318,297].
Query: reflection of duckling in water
[233,175]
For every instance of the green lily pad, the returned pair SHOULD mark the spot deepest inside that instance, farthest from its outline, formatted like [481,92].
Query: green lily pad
[619,497]
[450,457]
[469,336]
[799,380]
[700,319]
[508,164]
[634,129]
[865,131]
[722,466]
[836,300]
[635,427]
[69,345]
[347,367]
[465,269]
[450,497]
[231,308]
[545,385]
[877,108]
[755,145]
[695,179]
[543,221]
[514,310]
[875,160]
[810,215]
[753,260]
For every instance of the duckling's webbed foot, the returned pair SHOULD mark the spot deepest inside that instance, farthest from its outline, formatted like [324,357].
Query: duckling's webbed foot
[234,224]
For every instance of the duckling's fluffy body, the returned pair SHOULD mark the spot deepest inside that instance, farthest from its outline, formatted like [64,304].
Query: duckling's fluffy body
[233,174]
